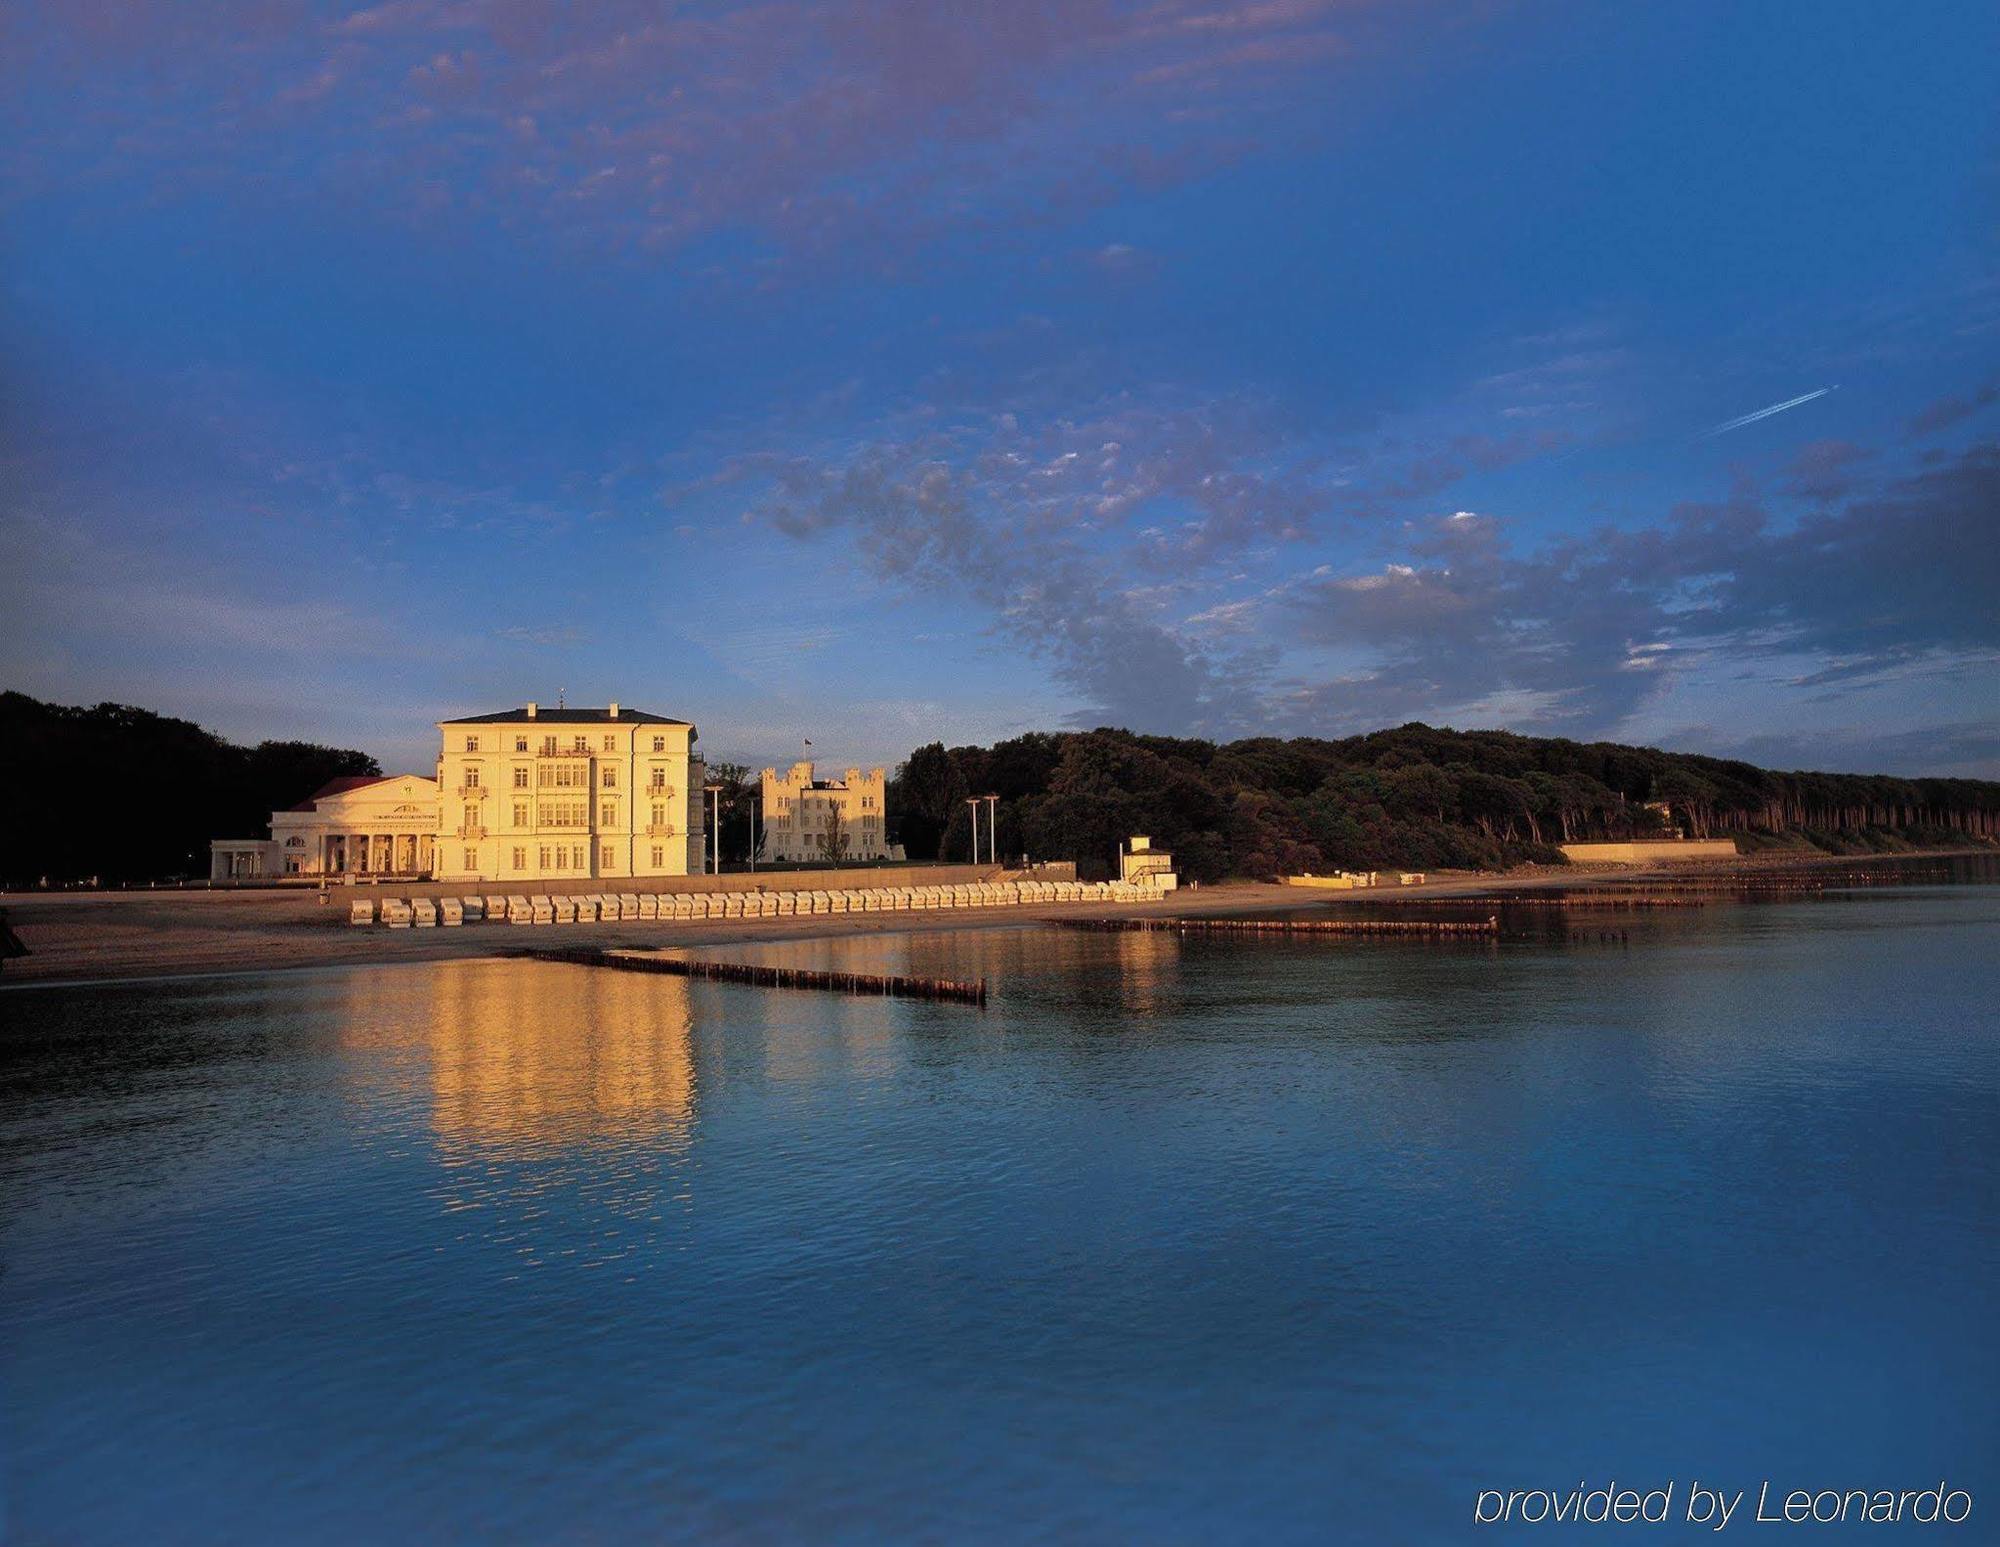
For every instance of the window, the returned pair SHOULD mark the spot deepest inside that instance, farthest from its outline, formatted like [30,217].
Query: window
[545,857]
[607,856]
[563,776]
[582,744]
[472,778]
[562,858]
[520,743]
[520,859]
[563,813]
[659,816]
[472,743]
[659,856]
[471,859]
[548,746]
[520,813]
[471,821]
[521,776]
[657,781]
[611,743]
[609,778]
[659,743]
[607,814]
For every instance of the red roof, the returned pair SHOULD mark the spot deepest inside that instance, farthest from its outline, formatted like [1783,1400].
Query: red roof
[341,786]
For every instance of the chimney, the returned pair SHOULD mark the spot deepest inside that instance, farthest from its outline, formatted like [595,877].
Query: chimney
[614,708]
[531,711]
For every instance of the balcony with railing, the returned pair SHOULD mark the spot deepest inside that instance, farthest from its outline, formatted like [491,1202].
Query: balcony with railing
[470,833]
[472,792]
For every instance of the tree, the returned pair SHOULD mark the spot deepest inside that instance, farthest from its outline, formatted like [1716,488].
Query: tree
[927,792]
[738,798]
[72,767]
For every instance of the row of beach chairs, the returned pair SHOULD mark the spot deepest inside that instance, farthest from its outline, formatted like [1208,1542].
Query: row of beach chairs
[595,907]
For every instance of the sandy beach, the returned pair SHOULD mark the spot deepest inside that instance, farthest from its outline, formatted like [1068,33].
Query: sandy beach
[105,936]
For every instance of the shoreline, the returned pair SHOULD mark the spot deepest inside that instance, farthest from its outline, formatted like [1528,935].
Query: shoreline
[77,939]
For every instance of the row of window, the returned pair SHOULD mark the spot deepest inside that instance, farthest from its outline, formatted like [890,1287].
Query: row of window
[565,857]
[577,744]
[574,776]
[782,804]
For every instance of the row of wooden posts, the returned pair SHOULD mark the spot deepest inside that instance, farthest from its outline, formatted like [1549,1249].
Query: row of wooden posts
[1421,928]
[960,990]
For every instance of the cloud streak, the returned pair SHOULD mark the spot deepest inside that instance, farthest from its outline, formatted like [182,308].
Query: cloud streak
[1765,413]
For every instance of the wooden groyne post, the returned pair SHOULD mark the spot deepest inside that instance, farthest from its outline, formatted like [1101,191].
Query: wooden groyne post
[10,943]
[955,990]
[1417,928]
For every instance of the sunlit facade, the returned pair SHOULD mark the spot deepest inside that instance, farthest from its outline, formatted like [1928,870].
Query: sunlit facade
[540,794]
[825,819]
[357,826]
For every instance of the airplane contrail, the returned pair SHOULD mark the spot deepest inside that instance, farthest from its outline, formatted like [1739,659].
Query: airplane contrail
[1765,413]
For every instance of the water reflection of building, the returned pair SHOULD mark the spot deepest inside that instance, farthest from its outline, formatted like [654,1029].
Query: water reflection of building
[532,1057]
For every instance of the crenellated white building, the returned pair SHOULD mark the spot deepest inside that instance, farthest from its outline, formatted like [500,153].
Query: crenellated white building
[536,794]
[825,819]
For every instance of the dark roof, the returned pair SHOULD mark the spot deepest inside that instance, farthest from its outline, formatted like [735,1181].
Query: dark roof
[341,786]
[544,715]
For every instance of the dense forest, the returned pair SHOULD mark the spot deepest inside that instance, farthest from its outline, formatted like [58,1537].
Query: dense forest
[122,794]
[1416,797]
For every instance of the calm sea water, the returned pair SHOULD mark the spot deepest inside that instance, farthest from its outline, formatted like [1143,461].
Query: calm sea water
[1207,1241]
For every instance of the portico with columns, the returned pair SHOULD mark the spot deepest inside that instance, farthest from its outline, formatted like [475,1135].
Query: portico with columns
[364,826]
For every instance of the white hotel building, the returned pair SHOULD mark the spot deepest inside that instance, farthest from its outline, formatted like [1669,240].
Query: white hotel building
[538,794]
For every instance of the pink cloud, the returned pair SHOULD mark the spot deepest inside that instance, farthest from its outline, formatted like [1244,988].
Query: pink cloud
[807,122]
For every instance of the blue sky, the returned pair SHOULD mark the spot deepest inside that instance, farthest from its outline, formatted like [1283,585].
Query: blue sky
[881,373]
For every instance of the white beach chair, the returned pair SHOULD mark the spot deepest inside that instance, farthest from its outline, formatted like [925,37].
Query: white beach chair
[543,908]
[451,912]
[423,913]
[361,913]
[565,907]
[649,905]
[395,913]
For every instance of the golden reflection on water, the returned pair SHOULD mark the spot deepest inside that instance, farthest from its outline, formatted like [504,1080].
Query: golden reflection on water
[567,1057]
[525,1056]
[562,1101]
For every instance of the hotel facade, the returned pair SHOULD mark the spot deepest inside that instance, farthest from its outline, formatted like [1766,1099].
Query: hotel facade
[380,826]
[825,819]
[536,794]
[528,794]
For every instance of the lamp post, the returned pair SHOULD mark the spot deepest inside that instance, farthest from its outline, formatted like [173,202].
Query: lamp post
[992,829]
[715,805]
[973,802]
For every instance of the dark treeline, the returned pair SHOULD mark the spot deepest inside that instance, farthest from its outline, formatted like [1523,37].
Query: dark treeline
[1415,798]
[123,794]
